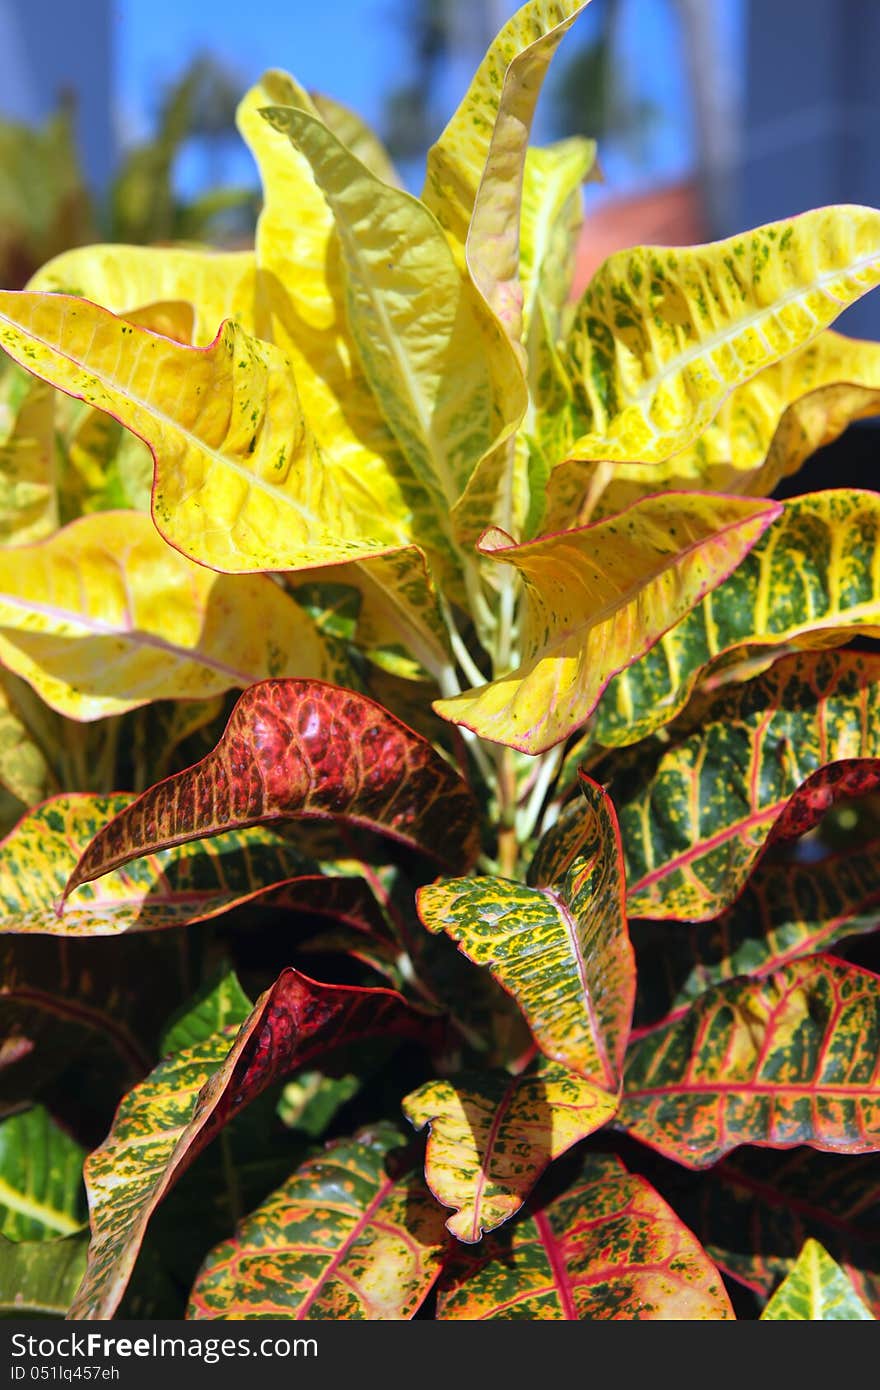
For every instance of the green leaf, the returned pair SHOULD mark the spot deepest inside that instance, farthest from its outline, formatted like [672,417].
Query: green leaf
[491,1135]
[785,911]
[185,883]
[662,336]
[441,368]
[41,1189]
[609,1247]
[220,1003]
[808,582]
[351,1235]
[788,1059]
[816,1290]
[168,1119]
[98,625]
[38,1279]
[597,598]
[562,951]
[299,748]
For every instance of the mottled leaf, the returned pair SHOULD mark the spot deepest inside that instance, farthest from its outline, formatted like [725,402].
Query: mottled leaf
[785,911]
[781,1199]
[562,951]
[767,757]
[185,883]
[793,1058]
[104,616]
[662,336]
[240,483]
[816,1290]
[597,598]
[351,1235]
[38,1279]
[170,1117]
[491,1135]
[609,1247]
[809,582]
[41,1189]
[300,749]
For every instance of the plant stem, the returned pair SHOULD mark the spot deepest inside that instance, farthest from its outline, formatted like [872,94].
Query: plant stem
[528,815]
[508,843]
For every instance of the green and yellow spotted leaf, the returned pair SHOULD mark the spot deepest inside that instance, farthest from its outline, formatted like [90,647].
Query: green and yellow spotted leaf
[352,1235]
[38,1278]
[597,598]
[187,883]
[793,1058]
[765,429]
[785,911]
[28,468]
[217,285]
[768,756]
[165,1121]
[41,1189]
[491,1135]
[782,1198]
[441,368]
[104,616]
[809,582]
[662,336]
[562,951]
[816,1290]
[498,102]
[240,483]
[608,1247]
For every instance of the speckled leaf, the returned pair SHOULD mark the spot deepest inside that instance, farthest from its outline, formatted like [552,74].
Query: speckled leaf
[809,582]
[783,1198]
[491,1135]
[765,429]
[38,1279]
[767,757]
[240,483]
[608,1248]
[351,1235]
[104,616]
[662,336]
[816,1290]
[170,1117]
[28,481]
[785,911]
[41,1189]
[456,163]
[302,280]
[443,372]
[217,285]
[562,951]
[186,883]
[596,599]
[522,52]
[793,1058]
[300,749]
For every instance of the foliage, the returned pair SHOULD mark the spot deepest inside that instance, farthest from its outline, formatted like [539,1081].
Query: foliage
[392,643]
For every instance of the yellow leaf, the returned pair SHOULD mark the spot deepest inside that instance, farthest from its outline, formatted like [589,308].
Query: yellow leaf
[104,616]
[217,284]
[28,498]
[240,484]
[662,336]
[357,136]
[595,599]
[551,218]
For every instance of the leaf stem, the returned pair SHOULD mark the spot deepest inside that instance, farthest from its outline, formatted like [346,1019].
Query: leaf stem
[528,815]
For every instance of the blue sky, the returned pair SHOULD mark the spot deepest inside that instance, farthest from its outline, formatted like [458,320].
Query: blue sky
[354,49]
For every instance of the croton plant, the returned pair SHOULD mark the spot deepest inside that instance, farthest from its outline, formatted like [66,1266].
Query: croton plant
[439,853]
